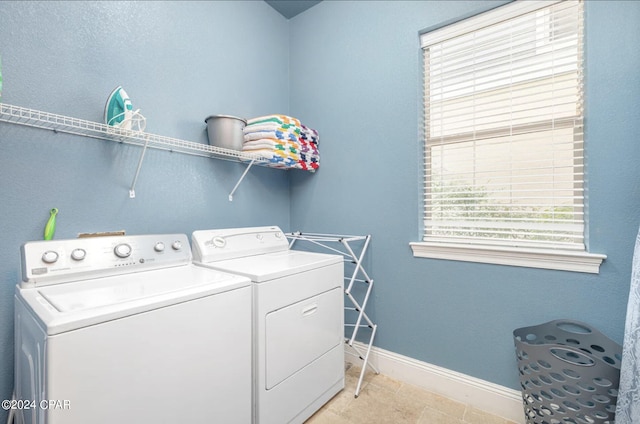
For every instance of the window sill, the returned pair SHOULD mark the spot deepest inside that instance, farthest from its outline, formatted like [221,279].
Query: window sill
[576,261]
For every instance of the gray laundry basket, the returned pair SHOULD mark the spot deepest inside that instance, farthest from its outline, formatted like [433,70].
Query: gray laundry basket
[569,373]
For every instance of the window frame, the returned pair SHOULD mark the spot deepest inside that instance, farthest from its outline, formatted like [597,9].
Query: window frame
[577,260]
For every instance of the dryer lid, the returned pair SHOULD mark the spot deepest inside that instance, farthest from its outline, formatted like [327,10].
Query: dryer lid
[269,266]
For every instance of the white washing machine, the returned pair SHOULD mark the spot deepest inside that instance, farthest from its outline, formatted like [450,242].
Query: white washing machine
[126,329]
[298,318]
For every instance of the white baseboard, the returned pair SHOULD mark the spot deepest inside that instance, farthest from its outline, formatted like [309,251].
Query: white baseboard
[489,397]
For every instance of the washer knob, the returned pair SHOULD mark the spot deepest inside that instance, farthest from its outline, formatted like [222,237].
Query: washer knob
[49,256]
[159,247]
[176,245]
[78,254]
[122,250]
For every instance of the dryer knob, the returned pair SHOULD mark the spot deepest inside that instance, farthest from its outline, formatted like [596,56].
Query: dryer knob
[219,242]
[122,250]
[176,245]
[159,247]
[49,256]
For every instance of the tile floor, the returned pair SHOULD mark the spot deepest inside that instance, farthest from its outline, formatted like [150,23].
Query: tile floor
[387,401]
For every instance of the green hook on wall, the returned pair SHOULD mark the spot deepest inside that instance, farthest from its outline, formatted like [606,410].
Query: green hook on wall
[50,228]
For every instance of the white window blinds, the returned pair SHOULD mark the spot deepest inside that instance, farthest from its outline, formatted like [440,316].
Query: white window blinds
[503,101]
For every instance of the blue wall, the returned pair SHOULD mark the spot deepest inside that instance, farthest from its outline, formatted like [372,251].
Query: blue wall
[180,62]
[357,79]
[349,69]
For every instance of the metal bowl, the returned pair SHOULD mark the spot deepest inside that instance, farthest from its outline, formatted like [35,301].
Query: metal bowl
[225,131]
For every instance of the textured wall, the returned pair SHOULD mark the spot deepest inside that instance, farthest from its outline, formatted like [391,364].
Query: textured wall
[352,71]
[359,83]
[179,62]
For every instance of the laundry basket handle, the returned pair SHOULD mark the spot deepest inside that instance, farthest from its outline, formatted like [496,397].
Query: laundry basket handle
[574,327]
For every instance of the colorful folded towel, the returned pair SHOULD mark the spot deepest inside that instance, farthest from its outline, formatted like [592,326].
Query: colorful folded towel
[273,127]
[283,141]
[280,134]
[279,119]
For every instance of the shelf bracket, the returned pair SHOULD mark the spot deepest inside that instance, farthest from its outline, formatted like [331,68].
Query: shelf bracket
[240,180]
[132,190]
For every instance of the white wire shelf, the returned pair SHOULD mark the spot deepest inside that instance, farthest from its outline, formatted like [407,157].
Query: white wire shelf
[66,124]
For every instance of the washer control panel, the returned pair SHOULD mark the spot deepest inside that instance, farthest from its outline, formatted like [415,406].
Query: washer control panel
[230,243]
[55,261]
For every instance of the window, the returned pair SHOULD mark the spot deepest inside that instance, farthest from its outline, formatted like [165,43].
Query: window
[504,148]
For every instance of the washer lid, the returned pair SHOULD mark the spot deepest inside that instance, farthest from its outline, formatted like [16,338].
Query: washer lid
[65,307]
[269,266]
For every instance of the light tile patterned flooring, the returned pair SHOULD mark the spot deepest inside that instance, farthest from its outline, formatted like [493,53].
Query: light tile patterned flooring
[386,401]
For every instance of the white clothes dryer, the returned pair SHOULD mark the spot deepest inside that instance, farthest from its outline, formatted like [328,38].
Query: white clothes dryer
[298,318]
[126,329]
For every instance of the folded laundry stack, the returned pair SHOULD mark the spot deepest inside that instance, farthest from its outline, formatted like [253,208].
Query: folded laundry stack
[283,141]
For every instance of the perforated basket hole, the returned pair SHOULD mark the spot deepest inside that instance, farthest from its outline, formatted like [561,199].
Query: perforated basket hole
[546,411]
[571,390]
[601,398]
[557,392]
[583,418]
[586,403]
[545,379]
[546,395]
[571,406]
[572,357]
[571,373]
[602,382]
[544,364]
[597,348]
[557,377]
[600,415]
[586,387]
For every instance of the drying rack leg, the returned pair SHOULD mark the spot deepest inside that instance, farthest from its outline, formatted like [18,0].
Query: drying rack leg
[365,361]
